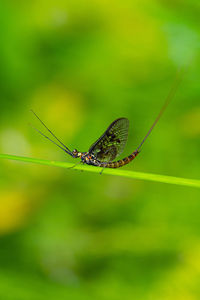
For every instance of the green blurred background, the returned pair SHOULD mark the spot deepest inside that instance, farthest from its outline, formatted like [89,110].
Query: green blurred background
[66,234]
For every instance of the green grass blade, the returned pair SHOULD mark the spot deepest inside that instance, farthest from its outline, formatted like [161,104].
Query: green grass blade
[116,172]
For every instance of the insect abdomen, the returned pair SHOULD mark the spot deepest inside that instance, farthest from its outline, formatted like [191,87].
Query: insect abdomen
[121,162]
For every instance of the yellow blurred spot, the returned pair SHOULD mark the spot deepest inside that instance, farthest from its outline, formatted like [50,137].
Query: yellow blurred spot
[11,140]
[59,108]
[190,123]
[137,35]
[183,278]
[13,210]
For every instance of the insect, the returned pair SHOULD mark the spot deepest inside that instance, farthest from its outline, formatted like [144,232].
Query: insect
[111,143]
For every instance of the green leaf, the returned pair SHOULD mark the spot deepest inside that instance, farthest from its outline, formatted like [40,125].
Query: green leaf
[115,172]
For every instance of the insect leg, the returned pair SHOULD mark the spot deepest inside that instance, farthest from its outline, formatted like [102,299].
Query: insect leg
[102,170]
[80,162]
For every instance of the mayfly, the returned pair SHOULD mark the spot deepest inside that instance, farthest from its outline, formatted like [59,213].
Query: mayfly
[111,143]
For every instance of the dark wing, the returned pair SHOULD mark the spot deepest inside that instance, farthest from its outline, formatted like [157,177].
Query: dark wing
[111,144]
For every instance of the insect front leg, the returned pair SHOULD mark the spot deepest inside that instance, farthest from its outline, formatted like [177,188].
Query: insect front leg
[79,162]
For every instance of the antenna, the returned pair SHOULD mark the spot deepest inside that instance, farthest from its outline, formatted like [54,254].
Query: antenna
[65,147]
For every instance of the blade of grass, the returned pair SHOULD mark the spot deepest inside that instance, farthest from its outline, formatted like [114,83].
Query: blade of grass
[116,172]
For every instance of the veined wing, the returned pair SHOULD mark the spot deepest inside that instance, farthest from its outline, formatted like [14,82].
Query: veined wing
[111,144]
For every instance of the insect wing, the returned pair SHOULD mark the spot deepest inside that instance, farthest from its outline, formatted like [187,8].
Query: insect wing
[112,143]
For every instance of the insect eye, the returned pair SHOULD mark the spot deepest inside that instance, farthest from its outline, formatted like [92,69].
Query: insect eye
[75,152]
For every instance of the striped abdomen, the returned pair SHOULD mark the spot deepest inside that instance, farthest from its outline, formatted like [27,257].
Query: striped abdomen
[121,162]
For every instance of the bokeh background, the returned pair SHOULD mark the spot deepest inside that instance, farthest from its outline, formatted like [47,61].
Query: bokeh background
[66,234]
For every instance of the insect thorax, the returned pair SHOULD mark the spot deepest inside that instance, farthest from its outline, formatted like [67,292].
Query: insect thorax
[89,159]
